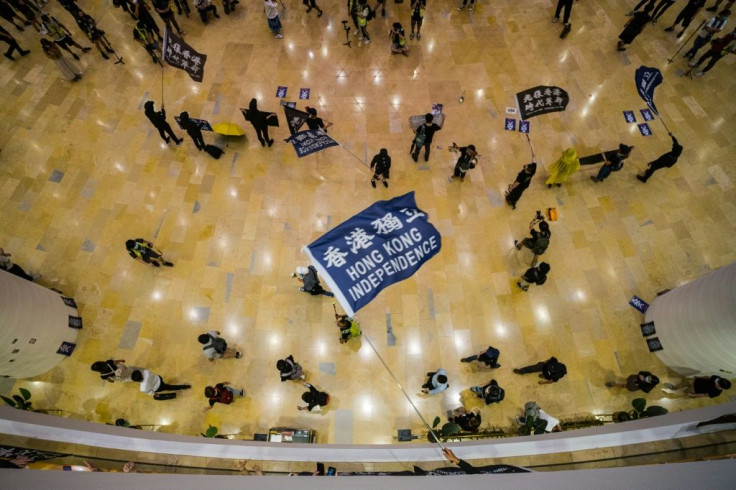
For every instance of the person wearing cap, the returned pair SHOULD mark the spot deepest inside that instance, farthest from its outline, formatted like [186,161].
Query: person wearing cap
[314,122]
[643,380]
[436,382]
[466,161]
[614,164]
[713,26]
[381,164]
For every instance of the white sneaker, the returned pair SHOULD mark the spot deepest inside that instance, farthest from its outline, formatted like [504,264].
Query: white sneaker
[35,276]
[692,64]
[356,32]
[279,36]
[461,7]
[700,74]
[367,41]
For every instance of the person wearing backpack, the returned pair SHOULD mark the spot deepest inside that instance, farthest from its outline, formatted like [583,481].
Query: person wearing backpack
[289,369]
[308,277]
[221,393]
[551,370]
[215,347]
[539,240]
[490,393]
[417,16]
[423,137]
[489,357]
[643,380]
[615,164]
[534,275]
[365,15]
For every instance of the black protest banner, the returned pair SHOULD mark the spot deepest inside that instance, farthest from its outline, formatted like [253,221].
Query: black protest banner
[180,55]
[541,100]
[295,118]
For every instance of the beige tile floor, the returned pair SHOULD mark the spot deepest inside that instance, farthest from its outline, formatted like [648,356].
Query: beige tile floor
[235,226]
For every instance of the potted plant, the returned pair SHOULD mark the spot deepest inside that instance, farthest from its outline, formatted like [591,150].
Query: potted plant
[640,411]
[447,430]
[19,401]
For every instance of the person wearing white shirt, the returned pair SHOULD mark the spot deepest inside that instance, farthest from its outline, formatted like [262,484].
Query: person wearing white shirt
[154,385]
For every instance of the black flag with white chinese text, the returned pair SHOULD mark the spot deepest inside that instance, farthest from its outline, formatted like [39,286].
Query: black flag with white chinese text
[541,100]
[180,55]
[295,118]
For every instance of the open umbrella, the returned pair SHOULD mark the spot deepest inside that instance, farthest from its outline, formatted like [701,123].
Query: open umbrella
[227,130]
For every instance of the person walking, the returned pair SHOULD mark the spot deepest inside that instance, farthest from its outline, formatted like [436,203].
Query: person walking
[714,7]
[9,14]
[310,282]
[364,16]
[114,370]
[718,49]
[489,357]
[154,385]
[634,27]
[163,8]
[349,327]
[7,265]
[424,135]
[534,275]
[158,119]
[259,120]
[192,129]
[436,382]
[490,392]
[660,9]
[539,240]
[67,67]
[146,252]
[221,393]
[643,380]
[563,168]
[272,16]
[567,5]
[312,4]
[465,3]
[700,387]
[639,5]
[313,398]
[686,15]
[88,25]
[381,164]
[61,35]
[215,347]
[467,160]
[523,179]
[713,26]
[666,160]
[13,45]
[551,370]
[614,164]
[289,369]
[417,17]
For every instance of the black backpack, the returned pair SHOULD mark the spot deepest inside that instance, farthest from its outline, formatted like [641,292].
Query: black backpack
[555,370]
[219,344]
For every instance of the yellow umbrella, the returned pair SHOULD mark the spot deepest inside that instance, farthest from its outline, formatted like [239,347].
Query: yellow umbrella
[227,130]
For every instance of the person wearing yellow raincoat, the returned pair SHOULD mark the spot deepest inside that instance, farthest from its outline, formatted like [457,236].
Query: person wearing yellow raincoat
[567,165]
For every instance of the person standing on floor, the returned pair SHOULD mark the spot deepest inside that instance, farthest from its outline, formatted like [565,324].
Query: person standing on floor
[465,2]
[490,392]
[417,17]
[313,398]
[158,119]
[61,35]
[539,240]
[563,168]
[436,382]
[567,5]
[154,385]
[215,347]
[718,49]
[643,380]
[534,275]
[660,9]
[146,252]
[8,13]
[701,387]
[466,161]
[634,27]
[713,26]
[67,67]
[313,122]
[639,5]
[381,164]
[349,327]
[427,130]
[310,281]
[221,393]
[289,369]
[718,3]
[666,160]
[259,120]
[192,129]
[13,45]
[489,357]
[551,370]
[272,16]
[143,13]
[163,8]
[312,4]
[523,179]
[686,15]
[88,25]
[7,265]
[615,163]
[364,16]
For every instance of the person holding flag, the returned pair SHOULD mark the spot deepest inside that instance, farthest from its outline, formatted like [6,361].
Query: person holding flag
[666,160]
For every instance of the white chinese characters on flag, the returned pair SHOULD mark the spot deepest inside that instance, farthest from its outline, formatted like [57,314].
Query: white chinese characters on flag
[180,55]
[383,244]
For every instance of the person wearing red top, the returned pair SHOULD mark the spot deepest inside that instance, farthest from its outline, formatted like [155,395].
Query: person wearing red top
[221,393]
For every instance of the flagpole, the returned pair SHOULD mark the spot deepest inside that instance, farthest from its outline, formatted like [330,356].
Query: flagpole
[531,147]
[437,439]
[163,51]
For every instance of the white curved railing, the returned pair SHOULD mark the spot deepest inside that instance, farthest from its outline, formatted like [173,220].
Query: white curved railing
[671,426]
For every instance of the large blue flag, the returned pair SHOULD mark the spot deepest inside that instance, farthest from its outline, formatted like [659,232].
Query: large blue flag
[647,80]
[383,244]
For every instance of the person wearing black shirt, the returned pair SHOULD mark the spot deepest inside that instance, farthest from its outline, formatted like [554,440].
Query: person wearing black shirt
[313,398]
[107,368]
[163,7]
[489,357]
[613,164]
[429,128]
[381,164]
[192,129]
[666,160]
[158,119]
[710,387]
[259,120]
[515,190]
[314,122]
[644,381]
[551,370]
[465,162]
